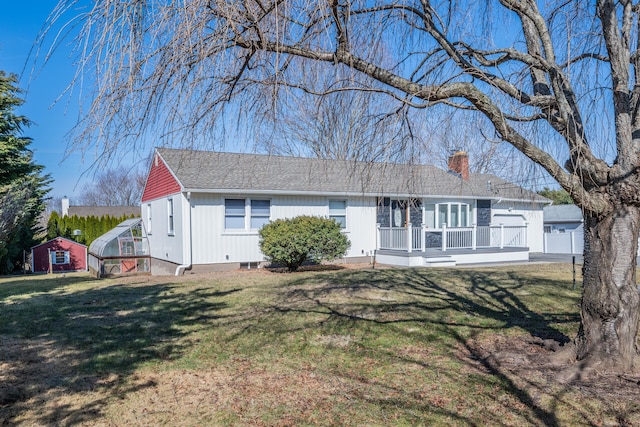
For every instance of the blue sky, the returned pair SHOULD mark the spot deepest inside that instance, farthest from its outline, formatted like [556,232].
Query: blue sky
[20,23]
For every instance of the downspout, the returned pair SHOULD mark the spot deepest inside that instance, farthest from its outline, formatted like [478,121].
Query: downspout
[189,265]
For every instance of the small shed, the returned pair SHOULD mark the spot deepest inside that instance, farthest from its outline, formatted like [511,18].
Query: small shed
[122,250]
[563,219]
[59,254]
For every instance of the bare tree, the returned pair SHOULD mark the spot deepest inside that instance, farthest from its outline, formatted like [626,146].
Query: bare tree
[559,83]
[345,125]
[120,186]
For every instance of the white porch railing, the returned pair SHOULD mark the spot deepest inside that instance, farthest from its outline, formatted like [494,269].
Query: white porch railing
[421,238]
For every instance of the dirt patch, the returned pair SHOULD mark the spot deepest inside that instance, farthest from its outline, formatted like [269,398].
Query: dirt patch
[529,365]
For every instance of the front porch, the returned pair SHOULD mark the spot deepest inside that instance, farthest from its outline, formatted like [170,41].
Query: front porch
[449,246]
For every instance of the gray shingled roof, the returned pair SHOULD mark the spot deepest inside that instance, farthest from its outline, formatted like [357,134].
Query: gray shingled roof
[228,172]
[562,213]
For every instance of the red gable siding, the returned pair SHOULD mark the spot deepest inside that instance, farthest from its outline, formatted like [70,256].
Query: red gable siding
[160,182]
[77,255]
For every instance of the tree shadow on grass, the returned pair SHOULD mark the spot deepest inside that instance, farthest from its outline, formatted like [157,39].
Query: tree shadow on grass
[35,283]
[59,344]
[486,304]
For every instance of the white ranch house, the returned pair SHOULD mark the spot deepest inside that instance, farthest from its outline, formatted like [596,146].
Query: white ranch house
[202,210]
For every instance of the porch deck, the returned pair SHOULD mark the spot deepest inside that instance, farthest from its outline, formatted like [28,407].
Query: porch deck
[419,246]
[452,257]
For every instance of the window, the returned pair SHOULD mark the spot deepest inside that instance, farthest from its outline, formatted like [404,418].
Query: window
[170,216]
[452,214]
[242,213]
[60,257]
[149,218]
[338,212]
[430,215]
[234,213]
[455,215]
[398,213]
[464,215]
[260,212]
[443,211]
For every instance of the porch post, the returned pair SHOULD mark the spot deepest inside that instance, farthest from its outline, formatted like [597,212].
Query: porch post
[474,237]
[444,237]
[423,237]
[526,234]
[377,236]
[501,236]
[409,239]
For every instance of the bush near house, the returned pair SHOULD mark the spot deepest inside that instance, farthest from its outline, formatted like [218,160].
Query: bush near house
[305,238]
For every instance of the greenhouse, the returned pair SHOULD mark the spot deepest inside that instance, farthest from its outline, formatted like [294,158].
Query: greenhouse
[123,250]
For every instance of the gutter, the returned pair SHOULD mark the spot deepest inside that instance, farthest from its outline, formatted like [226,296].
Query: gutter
[190,264]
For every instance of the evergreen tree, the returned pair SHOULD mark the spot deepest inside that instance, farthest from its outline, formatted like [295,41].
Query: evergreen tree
[52,226]
[23,187]
[559,197]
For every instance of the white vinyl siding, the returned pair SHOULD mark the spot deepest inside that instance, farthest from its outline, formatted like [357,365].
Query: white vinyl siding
[163,244]
[338,212]
[213,243]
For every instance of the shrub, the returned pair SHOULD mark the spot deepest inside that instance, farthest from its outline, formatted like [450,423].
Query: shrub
[305,238]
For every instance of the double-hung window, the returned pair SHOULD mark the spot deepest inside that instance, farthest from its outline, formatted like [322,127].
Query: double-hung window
[170,224]
[234,214]
[338,212]
[243,214]
[260,212]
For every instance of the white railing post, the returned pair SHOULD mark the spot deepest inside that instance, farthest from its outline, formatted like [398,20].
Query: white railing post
[409,237]
[423,237]
[526,235]
[501,236]
[377,236]
[444,237]
[474,237]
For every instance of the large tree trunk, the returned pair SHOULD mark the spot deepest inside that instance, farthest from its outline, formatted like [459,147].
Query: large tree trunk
[610,299]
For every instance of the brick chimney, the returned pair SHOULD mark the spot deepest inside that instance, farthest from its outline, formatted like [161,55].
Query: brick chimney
[459,164]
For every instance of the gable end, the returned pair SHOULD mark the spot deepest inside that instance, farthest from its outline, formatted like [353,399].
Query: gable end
[160,181]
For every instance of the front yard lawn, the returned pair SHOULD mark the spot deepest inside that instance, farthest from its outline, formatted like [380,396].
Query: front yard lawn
[348,347]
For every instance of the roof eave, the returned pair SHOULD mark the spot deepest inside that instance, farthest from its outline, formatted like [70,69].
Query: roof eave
[350,194]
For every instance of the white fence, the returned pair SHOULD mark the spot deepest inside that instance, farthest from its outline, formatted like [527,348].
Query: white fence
[421,238]
[564,243]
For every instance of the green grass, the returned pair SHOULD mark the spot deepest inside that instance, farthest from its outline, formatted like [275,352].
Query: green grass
[350,347]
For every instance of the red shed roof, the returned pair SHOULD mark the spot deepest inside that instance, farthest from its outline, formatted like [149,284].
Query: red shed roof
[59,238]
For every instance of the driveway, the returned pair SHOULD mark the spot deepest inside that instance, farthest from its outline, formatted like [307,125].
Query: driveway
[540,257]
